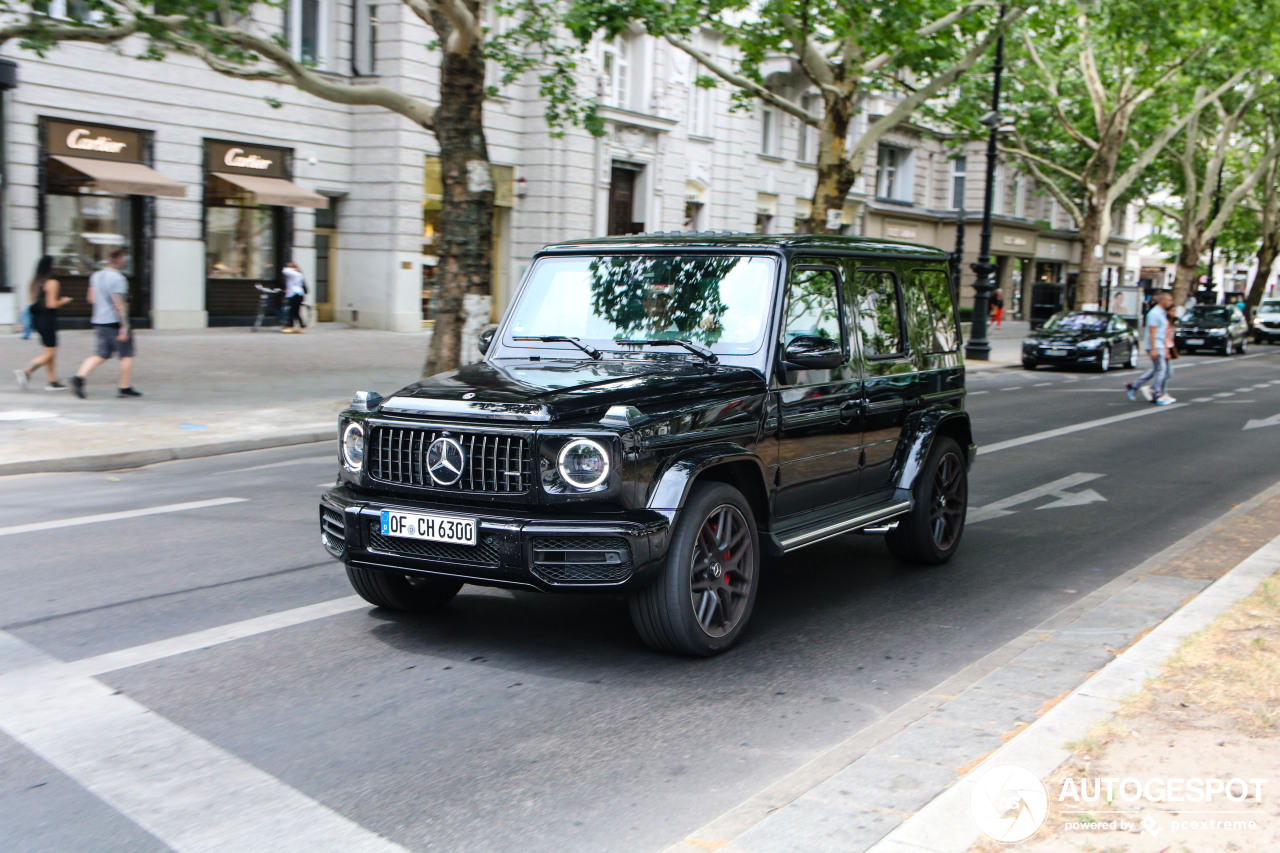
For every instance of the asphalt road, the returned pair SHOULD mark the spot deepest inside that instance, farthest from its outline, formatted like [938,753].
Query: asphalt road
[519,722]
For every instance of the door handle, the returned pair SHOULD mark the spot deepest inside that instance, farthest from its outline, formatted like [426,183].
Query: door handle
[849,410]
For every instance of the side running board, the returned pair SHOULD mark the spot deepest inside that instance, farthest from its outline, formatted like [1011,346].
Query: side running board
[801,538]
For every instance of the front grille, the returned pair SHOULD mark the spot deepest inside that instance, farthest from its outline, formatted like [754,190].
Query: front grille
[581,559]
[480,554]
[333,530]
[1271,324]
[494,464]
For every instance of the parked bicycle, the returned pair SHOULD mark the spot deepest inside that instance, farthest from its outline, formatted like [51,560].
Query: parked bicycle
[266,295]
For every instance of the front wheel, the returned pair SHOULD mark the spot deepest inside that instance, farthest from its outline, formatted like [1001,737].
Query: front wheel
[396,591]
[1133,358]
[930,533]
[1244,346]
[700,603]
[1104,360]
[1028,364]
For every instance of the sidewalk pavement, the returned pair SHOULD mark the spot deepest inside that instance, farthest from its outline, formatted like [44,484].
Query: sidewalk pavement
[211,391]
[1005,343]
[206,391]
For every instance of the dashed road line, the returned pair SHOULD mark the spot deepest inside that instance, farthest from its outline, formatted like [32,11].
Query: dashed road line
[1067,430]
[116,516]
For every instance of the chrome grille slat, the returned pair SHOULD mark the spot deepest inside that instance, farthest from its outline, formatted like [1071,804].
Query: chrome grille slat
[399,455]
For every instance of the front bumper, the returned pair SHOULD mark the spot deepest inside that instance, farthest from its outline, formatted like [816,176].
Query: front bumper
[575,552]
[1206,341]
[1072,355]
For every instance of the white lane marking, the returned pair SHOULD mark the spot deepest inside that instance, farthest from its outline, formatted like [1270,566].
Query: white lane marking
[1225,394]
[1258,423]
[1058,488]
[117,516]
[306,460]
[1203,400]
[976,393]
[161,649]
[1067,430]
[1014,388]
[188,793]
[1262,385]
[1245,390]
[1091,390]
[1041,384]
[328,485]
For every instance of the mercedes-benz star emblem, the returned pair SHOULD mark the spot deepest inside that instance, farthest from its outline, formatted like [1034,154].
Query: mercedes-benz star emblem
[445,461]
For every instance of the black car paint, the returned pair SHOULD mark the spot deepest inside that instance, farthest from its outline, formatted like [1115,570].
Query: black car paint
[1122,342]
[685,420]
[1197,324]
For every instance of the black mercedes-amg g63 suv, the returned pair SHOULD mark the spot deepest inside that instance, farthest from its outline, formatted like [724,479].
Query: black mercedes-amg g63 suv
[657,414]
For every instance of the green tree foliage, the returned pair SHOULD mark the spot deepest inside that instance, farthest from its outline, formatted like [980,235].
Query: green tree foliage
[844,52]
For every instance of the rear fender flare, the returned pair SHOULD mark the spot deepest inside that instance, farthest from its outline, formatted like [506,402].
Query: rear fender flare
[919,434]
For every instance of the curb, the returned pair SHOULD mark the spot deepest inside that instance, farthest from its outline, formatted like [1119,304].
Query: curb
[137,458]
[944,824]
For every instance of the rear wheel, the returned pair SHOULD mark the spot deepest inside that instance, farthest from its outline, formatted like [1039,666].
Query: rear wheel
[930,533]
[396,591]
[700,603]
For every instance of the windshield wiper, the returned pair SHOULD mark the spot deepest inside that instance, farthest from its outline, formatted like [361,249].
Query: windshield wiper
[563,339]
[696,349]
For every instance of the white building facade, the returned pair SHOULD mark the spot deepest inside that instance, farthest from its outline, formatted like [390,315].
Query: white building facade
[212,183]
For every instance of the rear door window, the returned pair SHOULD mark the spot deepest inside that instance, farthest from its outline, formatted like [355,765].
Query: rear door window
[930,289]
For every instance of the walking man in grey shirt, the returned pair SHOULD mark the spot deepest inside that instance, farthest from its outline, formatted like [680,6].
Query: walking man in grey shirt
[109,293]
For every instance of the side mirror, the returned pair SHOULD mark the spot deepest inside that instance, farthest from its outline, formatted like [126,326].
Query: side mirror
[485,339]
[810,352]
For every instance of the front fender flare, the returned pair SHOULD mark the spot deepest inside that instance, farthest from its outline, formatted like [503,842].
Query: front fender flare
[680,471]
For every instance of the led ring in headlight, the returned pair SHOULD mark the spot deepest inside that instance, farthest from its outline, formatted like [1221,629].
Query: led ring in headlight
[583,463]
[353,446]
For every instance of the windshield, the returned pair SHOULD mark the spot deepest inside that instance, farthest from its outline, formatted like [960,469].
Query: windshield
[1270,306]
[1208,315]
[1076,323]
[718,301]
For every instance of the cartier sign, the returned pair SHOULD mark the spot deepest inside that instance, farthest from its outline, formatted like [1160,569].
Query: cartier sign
[245,159]
[89,140]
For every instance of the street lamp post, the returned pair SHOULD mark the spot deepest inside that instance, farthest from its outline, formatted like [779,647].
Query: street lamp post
[985,268]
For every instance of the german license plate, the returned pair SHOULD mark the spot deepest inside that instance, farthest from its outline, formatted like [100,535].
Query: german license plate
[437,528]
[1195,342]
[1057,352]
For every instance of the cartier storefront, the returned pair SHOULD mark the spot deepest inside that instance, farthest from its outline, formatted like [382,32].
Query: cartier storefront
[248,223]
[96,189]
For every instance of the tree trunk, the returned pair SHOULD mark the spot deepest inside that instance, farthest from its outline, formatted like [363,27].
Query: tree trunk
[1266,260]
[1188,267]
[466,217]
[1093,238]
[835,177]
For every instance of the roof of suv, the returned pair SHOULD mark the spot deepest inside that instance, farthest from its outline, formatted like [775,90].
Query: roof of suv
[737,240]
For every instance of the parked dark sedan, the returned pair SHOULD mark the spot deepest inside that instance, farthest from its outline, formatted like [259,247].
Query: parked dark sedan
[1221,328]
[1097,339]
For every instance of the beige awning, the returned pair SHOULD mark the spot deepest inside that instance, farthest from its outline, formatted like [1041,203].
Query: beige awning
[275,190]
[113,176]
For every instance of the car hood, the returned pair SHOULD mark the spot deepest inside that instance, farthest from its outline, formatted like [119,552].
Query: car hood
[572,390]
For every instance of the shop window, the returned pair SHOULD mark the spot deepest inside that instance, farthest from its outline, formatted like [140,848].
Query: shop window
[240,242]
[81,230]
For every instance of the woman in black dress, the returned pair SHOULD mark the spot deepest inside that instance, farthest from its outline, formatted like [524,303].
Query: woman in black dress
[46,299]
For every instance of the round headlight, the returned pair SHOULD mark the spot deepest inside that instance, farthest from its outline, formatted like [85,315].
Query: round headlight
[584,463]
[353,446]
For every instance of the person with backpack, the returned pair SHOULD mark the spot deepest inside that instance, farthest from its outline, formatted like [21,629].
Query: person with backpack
[295,289]
[45,298]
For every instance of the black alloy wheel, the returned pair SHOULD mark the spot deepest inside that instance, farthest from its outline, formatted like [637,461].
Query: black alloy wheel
[396,591]
[1133,358]
[700,603]
[1104,360]
[931,532]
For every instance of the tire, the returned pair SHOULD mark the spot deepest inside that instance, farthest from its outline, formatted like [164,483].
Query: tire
[1028,364]
[931,532]
[702,600]
[411,593]
[1133,358]
[1104,360]
[1244,346]
[1257,340]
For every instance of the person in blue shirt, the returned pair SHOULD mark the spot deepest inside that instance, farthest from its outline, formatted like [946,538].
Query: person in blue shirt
[1155,338]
